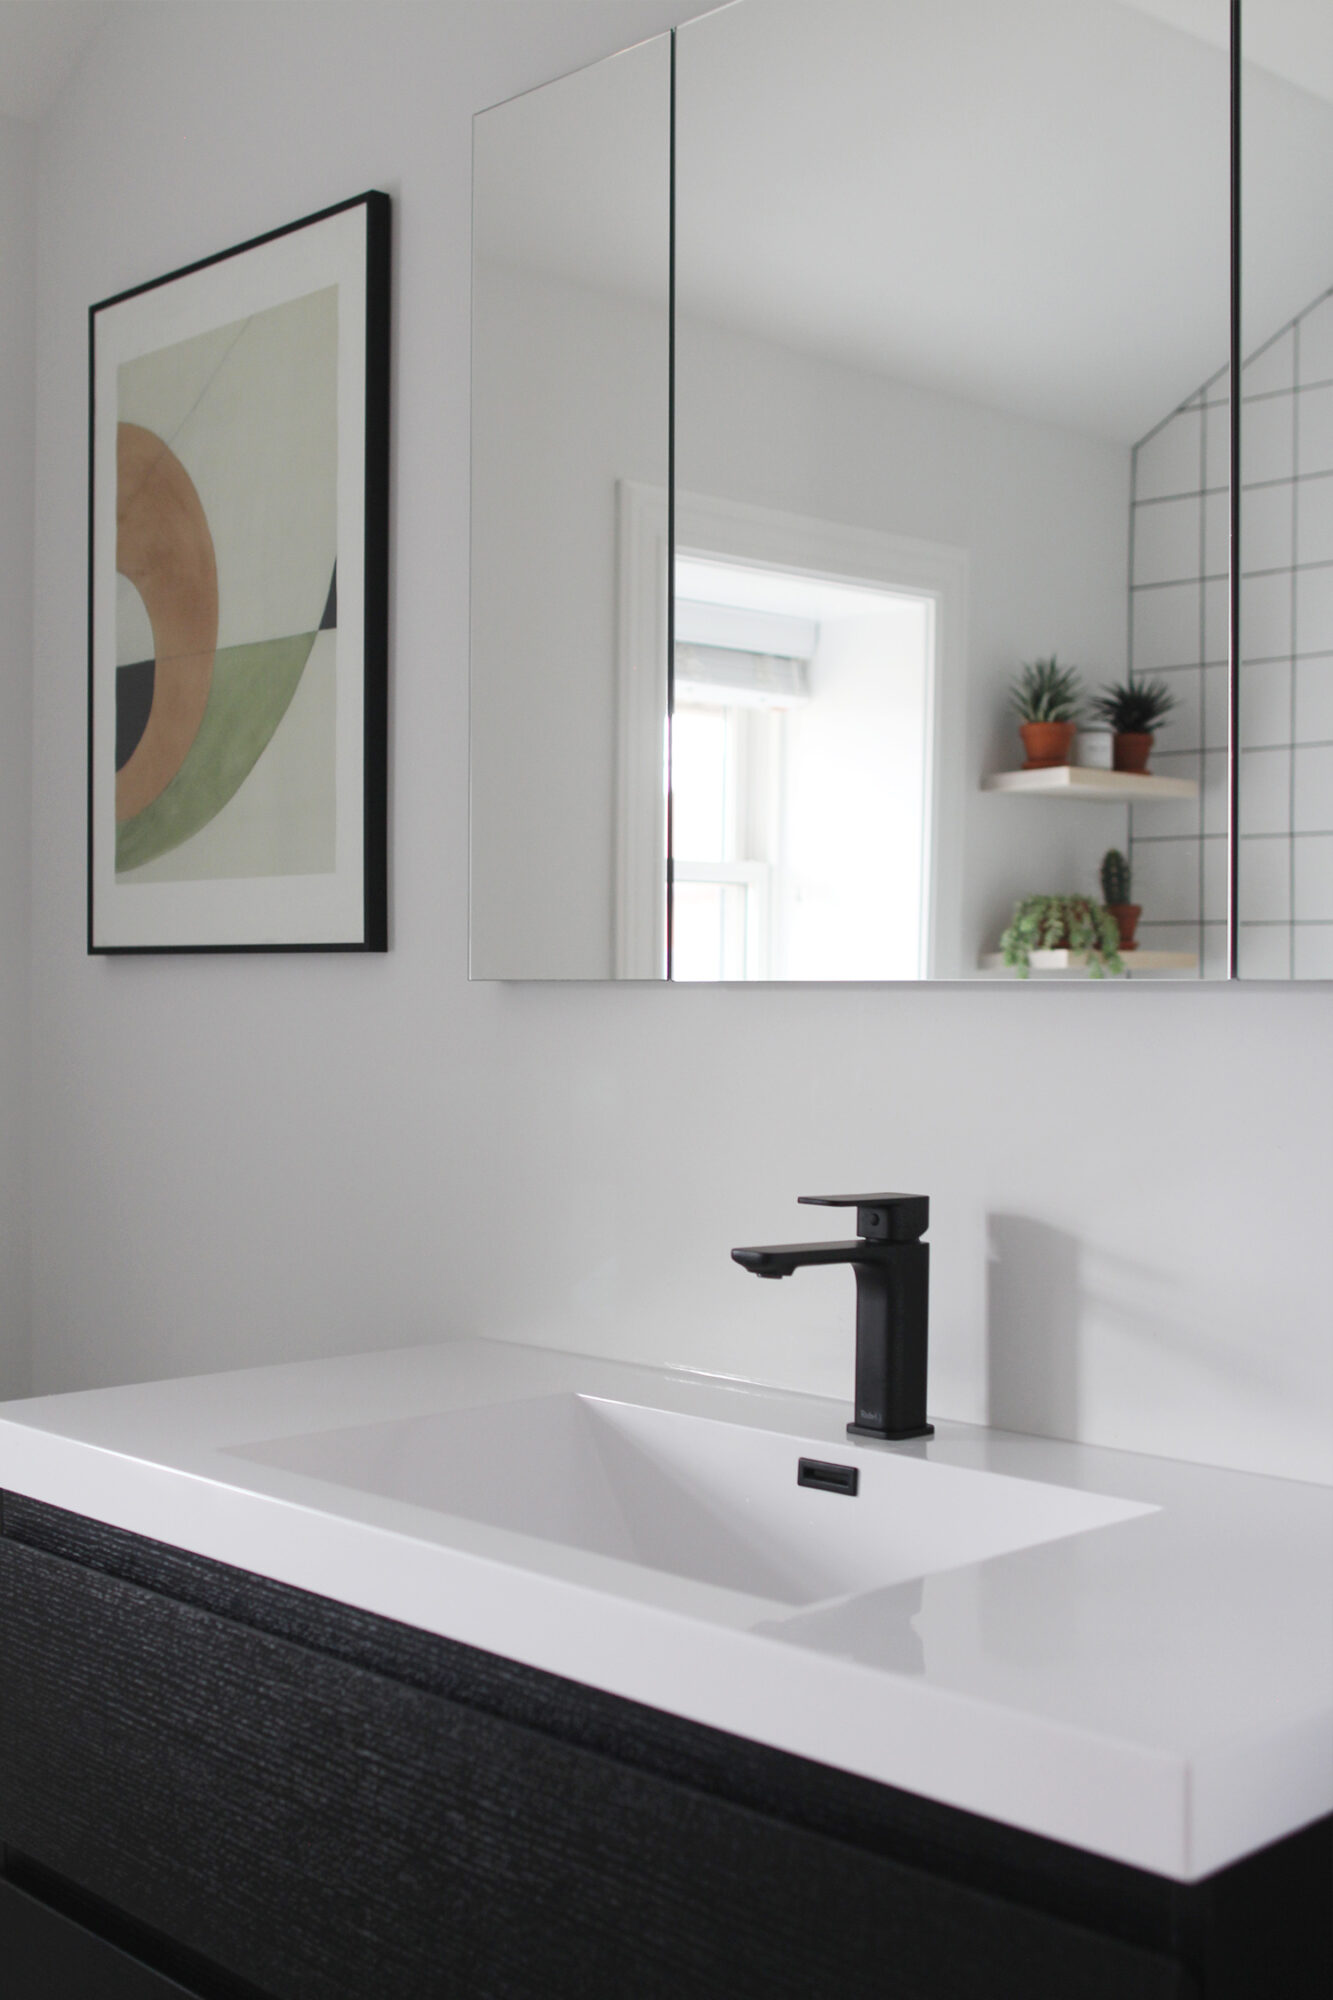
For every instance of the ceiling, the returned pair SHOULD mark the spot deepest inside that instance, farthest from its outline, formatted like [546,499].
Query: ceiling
[40,44]
[1022,204]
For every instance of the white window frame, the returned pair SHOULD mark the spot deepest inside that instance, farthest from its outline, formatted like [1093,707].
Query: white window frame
[766,538]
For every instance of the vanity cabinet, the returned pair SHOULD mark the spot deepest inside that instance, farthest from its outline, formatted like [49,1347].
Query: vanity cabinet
[214,1784]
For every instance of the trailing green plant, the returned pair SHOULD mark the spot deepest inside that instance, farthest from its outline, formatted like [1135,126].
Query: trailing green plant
[1133,708]
[1055,923]
[1116,877]
[1044,691]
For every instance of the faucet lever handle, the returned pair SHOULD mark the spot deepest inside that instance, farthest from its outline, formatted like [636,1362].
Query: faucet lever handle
[881,1218]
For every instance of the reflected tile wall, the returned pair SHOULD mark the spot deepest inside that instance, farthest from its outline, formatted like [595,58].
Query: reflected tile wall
[1178,632]
[1286,673]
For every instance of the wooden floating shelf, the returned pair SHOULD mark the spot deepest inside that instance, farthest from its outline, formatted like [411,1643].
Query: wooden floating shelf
[1076,961]
[1081,781]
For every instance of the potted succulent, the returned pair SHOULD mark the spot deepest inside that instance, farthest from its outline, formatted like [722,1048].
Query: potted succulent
[1055,923]
[1046,698]
[1115,894]
[1133,709]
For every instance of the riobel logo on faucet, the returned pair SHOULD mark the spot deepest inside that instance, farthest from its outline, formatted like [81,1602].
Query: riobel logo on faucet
[892,1269]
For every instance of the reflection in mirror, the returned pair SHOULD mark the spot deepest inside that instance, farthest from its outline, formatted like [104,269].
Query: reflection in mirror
[1286,672]
[951,278]
[570,405]
[801,740]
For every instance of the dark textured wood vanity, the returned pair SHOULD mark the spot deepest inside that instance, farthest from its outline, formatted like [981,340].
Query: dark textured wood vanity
[223,1786]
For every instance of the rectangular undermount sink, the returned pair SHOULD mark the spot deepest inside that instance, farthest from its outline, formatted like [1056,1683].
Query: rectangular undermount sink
[694,1496]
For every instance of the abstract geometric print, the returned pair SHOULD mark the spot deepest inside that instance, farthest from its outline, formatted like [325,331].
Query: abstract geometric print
[226,606]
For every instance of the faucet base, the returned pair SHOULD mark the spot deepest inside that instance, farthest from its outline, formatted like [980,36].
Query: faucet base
[868,1431]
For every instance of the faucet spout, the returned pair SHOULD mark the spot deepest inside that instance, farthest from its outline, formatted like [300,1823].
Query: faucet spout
[892,1270]
[782,1260]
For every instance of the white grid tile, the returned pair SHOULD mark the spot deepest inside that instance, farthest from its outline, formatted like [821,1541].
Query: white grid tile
[1316,343]
[1216,622]
[1216,878]
[1314,509]
[1273,367]
[1265,791]
[1265,880]
[1265,616]
[1216,708]
[1264,951]
[1216,792]
[1166,540]
[1183,728]
[1265,527]
[1217,444]
[1312,789]
[1314,951]
[1316,430]
[1166,627]
[1171,460]
[1314,699]
[1313,871]
[1314,609]
[1214,954]
[1156,818]
[1267,447]
[1166,880]
[1265,702]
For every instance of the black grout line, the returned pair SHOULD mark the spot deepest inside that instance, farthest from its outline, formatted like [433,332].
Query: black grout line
[1129,621]
[1236,395]
[1203,678]
[1276,569]
[1174,839]
[1295,547]
[1285,479]
[1188,493]
[1175,582]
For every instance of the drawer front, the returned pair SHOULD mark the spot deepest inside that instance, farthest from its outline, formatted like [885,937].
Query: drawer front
[47,1956]
[328,1833]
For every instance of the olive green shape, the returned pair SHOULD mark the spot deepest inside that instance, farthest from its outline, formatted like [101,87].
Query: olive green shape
[251,690]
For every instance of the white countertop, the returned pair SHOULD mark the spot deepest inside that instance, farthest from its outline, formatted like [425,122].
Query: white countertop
[1158,1690]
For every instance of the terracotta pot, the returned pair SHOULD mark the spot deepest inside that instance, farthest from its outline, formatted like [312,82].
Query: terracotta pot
[1131,750]
[1046,743]
[1126,916]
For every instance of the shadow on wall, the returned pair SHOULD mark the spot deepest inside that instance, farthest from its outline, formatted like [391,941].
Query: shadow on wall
[1032,1322]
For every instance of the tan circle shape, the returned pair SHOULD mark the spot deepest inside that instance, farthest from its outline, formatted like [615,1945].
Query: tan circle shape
[164,547]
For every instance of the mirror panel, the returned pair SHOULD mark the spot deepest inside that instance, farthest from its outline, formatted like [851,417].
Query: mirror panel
[570,412]
[941,356]
[1285,778]
[950,397]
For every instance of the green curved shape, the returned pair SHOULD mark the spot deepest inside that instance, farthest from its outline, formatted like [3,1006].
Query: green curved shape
[251,690]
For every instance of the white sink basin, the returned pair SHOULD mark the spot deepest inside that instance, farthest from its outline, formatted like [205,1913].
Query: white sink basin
[1119,1652]
[713,1501]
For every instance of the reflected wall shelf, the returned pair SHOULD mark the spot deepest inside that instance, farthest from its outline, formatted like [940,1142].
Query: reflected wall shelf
[1080,781]
[1076,961]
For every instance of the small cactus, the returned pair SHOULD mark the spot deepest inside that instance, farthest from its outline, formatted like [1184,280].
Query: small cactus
[1115,877]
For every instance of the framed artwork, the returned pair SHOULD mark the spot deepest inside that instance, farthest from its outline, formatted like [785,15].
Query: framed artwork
[238,597]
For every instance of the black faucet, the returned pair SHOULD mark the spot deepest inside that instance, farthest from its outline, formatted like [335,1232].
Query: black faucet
[892,1269]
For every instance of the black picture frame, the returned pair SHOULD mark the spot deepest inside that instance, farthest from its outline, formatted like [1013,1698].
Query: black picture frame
[238,456]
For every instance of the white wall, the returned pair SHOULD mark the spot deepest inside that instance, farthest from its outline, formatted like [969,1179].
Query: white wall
[17,279]
[255,1158]
[593,411]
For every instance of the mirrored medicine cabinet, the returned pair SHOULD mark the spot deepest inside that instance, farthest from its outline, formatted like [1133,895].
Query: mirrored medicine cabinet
[834,359]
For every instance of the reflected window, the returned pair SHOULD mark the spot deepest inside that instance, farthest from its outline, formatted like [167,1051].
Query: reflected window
[726,828]
[800,773]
